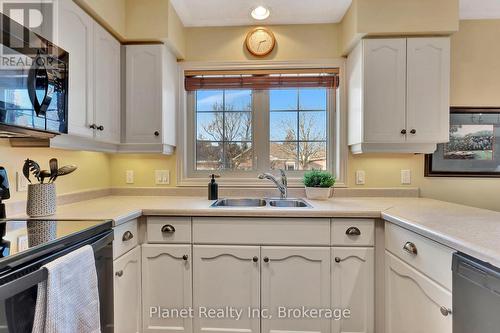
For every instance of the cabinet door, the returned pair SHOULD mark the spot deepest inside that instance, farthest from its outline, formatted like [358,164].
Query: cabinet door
[428,94]
[144,93]
[353,283]
[107,86]
[76,36]
[226,276]
[384,83]
[127,292]
[166,284]
[413,301]
[292,278]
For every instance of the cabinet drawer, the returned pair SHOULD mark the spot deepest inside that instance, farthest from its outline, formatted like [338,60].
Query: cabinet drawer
[353,232]
[429,257]
[169,229]
[126,238]
[265,231]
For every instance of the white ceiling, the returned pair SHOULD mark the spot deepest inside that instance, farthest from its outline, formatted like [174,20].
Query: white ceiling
[204,13]
[479,9]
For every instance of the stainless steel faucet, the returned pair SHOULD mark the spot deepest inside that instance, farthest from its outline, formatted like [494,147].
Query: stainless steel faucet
[281,185]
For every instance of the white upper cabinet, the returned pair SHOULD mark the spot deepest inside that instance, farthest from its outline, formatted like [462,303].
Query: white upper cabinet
[295,277]
[384,83]
[398,94]
[428,89]
[76,36]
[106,86]
[151,90]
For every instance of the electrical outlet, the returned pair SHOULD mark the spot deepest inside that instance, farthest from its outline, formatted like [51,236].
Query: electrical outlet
[21,182]
[129,177]
[162,177]
[360,177]
[406,177]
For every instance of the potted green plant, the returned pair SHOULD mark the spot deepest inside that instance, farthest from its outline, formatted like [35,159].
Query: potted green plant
[319,184]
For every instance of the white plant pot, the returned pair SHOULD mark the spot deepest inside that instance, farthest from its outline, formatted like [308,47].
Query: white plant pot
[319,193]
[41,200]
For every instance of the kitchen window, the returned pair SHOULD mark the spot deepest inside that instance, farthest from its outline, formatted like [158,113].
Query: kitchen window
[240,124]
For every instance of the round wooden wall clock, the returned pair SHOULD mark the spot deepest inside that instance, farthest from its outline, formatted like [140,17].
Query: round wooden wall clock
[260,41]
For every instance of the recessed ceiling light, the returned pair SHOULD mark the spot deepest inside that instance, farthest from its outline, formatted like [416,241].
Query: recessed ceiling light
[260,13]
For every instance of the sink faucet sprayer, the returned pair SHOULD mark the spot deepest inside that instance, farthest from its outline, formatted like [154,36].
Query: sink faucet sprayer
[281,185]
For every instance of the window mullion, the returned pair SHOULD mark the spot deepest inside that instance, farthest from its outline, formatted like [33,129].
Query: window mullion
[261,129]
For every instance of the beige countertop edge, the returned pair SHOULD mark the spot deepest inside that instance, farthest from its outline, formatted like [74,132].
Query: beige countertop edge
[459,245]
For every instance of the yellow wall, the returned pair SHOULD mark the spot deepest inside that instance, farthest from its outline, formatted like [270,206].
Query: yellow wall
[397,17]
[110,13]
[93,168]
[311,41]
[144,167]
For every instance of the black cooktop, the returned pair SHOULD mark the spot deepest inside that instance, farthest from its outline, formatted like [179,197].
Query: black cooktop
[23,238]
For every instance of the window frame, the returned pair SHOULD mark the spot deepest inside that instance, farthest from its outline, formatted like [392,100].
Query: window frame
[337,152]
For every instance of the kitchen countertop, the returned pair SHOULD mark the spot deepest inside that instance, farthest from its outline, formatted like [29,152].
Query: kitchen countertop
[470,230]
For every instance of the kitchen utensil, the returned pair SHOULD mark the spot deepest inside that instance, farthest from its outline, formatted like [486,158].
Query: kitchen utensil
[44,174]
[53,169]
[34,168]
[26,170]
[66,170]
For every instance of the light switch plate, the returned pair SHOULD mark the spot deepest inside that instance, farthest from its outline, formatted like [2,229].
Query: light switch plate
[406,177]
[360,177]
[21,182]
[129,177]
[162,177]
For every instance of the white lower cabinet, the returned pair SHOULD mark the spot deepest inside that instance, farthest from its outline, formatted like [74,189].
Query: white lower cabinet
[166,286]
[226,276]
[414,303]
[292,278]
[353,285]
[127,292]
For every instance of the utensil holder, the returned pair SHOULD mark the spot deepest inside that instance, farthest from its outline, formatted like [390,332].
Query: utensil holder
[41,232]
[41,200]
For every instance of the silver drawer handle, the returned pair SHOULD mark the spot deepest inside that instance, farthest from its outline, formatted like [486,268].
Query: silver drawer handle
[353,231]
[445,311]
[168,228]
[127,236]
[410,248]
[119,273]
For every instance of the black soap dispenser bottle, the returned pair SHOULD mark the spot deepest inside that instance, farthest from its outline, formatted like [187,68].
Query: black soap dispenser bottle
[213,188]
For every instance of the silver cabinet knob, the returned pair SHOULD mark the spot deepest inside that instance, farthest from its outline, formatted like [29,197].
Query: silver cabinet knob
[119,273]
[255,259]
[413,131]
[445,311]
[266,259]
[403,131]
[168,228]
[337,259]
[353,231]
[127,235]
[93,126]
[185,257]
[411,248]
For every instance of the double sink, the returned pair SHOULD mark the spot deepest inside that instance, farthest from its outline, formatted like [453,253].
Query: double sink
[251,202]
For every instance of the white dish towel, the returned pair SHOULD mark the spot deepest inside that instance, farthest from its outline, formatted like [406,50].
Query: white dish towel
[68,302]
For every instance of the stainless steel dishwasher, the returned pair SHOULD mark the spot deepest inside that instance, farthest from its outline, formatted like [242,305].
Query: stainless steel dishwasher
[476,296]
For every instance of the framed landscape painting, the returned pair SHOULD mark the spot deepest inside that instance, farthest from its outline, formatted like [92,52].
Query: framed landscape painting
[474,146]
